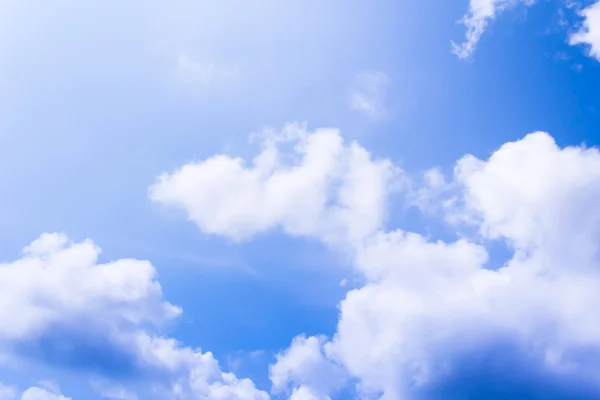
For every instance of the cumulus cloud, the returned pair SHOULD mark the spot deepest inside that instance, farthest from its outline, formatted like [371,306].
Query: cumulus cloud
[476,21]
[429,313]
[434,317]
[305,393]
[322,188]
[306,367]
[32,393]
[37,393]
[57,283]
[368,94]
[589,33]
[60,306]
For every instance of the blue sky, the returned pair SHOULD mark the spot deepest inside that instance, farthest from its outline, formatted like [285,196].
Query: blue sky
[301,268]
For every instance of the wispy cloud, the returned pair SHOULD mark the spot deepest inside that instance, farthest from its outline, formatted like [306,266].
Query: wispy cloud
[368,94]
[480,13]
[204,73]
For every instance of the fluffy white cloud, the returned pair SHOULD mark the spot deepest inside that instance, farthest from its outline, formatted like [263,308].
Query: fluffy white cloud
[434,313]
[535,195]
[58,283]
[32,393]
[416,296]
[61,306]
[198,375]
[481,12]
[36,393]
[368,94]
[307,368]
[305,393]
[322,188]
[589,34]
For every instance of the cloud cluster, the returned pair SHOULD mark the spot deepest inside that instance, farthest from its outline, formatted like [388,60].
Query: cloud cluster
[428,316]
[62,307]
[430,313]
[430,309]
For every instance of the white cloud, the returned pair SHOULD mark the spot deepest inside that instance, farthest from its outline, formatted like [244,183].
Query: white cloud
[59,302]
[306,367]
[431,311]
[195,375]
[480,13]
[322,188]
[204,74]
[36,393]
[428,193]
[368,94]
[58,282]
[424,305]
[589,34]
[33,393]
[305,393]
[534,193]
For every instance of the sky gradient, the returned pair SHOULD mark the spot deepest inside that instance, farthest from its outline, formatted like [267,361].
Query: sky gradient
[302,199]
